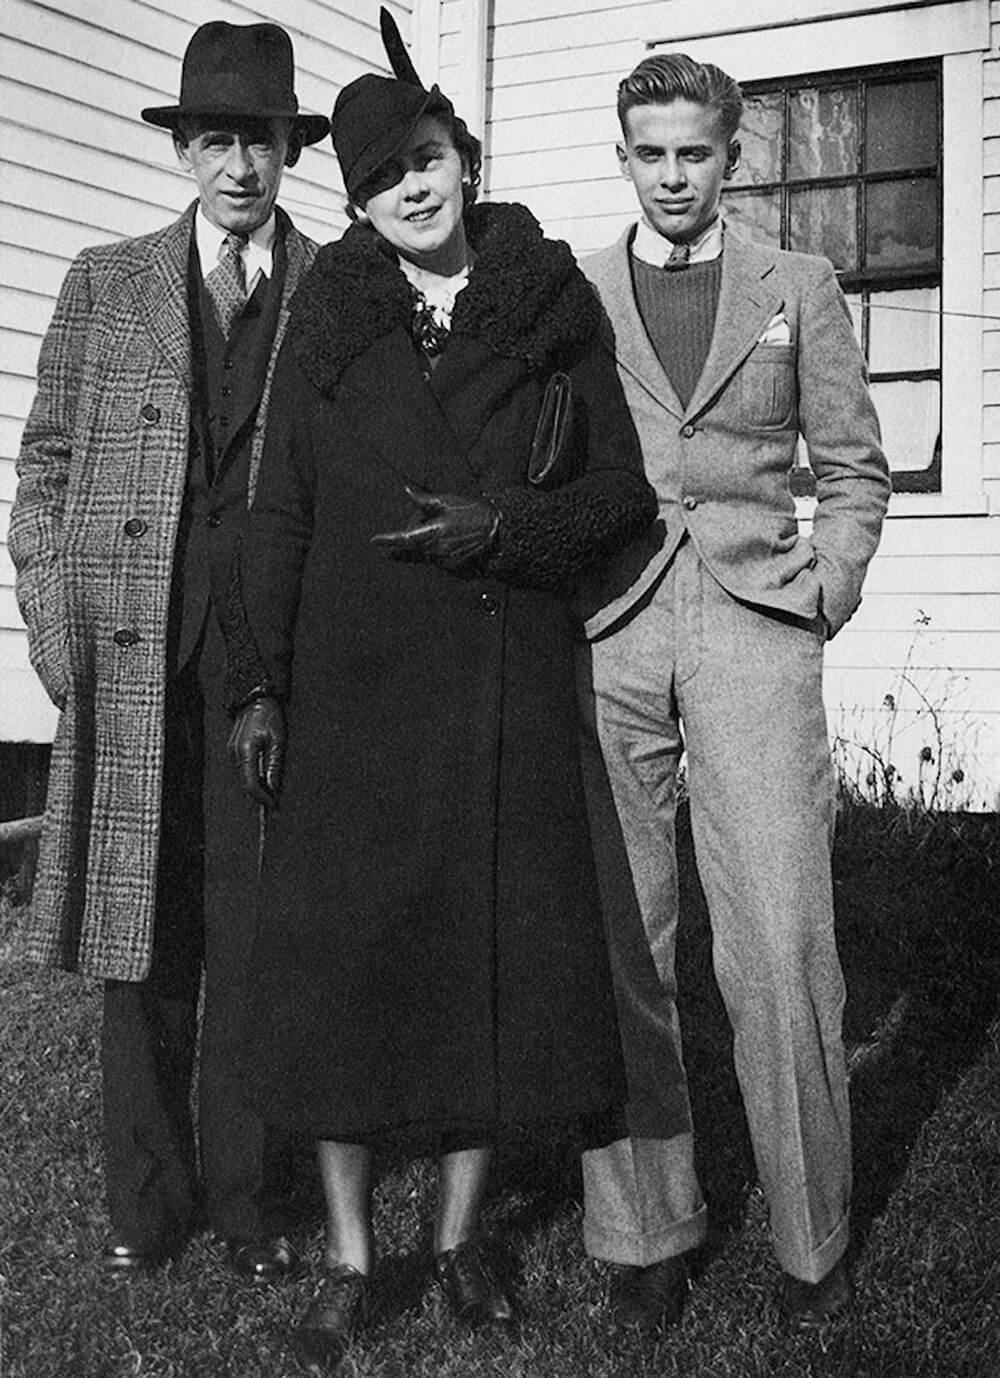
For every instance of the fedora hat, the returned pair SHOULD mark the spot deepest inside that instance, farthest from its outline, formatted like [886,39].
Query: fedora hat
[242,70]
[374,116]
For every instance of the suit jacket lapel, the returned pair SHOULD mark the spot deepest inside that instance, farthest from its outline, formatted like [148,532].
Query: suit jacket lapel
[159,288]
[746,303]
[632,346]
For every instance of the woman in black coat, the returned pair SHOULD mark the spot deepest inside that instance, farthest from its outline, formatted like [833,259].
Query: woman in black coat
[429,952]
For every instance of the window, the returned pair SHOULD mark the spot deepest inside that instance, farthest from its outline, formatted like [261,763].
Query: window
[848,164]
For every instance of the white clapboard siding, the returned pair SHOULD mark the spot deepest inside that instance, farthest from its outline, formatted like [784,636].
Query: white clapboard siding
[79,167]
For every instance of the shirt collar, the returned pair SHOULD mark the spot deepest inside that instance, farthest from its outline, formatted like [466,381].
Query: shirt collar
[258,256]
[654,248]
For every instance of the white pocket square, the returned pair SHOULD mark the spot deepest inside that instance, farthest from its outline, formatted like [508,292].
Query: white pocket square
[777,332]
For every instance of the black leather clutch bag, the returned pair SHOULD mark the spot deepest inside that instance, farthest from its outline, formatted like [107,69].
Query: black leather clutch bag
[553,458]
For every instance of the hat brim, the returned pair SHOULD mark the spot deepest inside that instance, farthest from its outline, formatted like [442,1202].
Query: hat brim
[312,128]
[435,102]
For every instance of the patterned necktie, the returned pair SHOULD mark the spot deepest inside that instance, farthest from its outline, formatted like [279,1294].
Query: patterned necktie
[226,283]
[679,255]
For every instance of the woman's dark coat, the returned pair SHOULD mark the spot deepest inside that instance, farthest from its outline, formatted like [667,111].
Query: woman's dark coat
[430,948]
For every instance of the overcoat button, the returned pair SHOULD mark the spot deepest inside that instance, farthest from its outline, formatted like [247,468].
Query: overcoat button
[213,519]
[135,526]
[490,604]
[688,431]
[125,636]
[149,413]
[690,503]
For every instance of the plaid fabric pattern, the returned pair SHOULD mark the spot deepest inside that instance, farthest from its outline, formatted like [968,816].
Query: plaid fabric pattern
[92,533]
[227,282]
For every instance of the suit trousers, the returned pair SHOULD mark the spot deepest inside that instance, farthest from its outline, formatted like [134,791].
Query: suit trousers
[206,880]
[740,689]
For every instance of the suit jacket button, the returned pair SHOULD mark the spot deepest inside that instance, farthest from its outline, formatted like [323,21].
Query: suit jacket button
[213,519]
[149,414]
[688,431]
[125,636]
[135,526]
[490,604]
[690,503]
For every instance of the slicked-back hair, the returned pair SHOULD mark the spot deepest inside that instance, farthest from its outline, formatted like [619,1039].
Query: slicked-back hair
[665,77]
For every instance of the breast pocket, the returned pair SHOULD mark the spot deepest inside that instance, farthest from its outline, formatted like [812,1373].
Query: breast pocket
[767,387]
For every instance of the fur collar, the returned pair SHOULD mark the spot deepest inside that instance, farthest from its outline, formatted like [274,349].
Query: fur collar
[525,299]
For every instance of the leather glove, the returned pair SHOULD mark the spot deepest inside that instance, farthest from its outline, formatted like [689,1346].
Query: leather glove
[451,530]
[257,744]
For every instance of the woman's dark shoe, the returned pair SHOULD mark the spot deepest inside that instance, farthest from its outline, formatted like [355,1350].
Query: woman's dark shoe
[337,1311]
[470,1289]
[262,1260]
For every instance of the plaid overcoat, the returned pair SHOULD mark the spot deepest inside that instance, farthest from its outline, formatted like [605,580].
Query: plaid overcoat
[104,458]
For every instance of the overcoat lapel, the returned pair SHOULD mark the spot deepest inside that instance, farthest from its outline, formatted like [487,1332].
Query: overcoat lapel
[159,289]
[746,303]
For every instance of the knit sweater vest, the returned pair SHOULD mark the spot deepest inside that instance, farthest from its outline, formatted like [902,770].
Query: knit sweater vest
[678,310]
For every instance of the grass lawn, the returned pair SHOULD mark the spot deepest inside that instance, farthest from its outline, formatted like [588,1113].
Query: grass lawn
[919,932]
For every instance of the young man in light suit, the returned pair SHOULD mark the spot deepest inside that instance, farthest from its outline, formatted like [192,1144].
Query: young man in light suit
[136,464]
[709,637]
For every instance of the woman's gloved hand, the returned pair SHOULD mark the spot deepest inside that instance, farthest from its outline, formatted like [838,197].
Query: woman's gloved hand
[257,744]
[451,530]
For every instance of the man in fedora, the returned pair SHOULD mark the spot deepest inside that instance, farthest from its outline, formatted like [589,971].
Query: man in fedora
[138,460]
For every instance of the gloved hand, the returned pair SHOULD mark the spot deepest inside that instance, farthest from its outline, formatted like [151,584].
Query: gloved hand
[257,745]
[451,531]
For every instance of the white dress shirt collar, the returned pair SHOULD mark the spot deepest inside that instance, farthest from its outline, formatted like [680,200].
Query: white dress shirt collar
[258,255]
[654,248]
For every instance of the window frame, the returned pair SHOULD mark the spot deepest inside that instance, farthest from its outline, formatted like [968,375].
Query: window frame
[862,281]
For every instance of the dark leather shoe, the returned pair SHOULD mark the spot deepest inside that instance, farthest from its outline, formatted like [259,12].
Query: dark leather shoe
[124,1256]
[262,1260]
[338,1309]
[806,1305]
[651,1298]
[470,1289]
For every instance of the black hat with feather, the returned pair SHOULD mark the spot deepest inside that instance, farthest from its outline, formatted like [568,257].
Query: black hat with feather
[374,116]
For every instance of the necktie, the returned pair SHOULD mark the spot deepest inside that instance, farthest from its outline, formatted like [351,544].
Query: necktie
[226,283]
[679,255]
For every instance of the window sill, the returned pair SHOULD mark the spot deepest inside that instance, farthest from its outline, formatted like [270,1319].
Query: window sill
[918,505]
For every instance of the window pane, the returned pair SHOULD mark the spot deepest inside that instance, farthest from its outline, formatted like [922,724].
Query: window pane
[903,330]
[823,221]
[856,305]
[757,213]
[761,139]
[910,416]
[902,224]
[823,132]
[901,125]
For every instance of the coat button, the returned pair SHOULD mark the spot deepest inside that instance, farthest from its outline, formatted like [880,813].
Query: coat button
[126,636]
[149,414]
[489,603]
[690,503]
[213,520]
[688,431]
[135,526]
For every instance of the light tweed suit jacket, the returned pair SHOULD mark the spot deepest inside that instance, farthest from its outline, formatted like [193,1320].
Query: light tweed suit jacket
[783,362]
[102,475]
